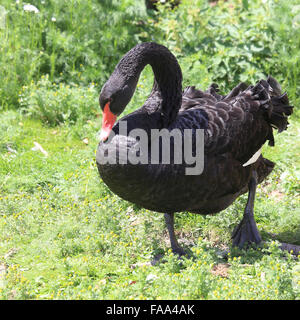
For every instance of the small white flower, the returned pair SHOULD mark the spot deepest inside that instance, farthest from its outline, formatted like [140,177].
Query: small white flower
[30,8]
[3,13]
[53,19]
[296,9]
[296,21]
[283,175]
[151,277]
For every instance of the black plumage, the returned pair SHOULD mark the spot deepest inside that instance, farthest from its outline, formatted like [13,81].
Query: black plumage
[235,127]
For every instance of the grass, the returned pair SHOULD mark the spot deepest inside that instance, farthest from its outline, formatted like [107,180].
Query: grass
[63,234]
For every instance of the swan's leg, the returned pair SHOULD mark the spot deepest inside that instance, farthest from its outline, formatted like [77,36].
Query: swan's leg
[246,231]
[169,219]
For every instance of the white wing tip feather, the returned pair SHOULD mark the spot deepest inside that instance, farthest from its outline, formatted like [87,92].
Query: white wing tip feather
[253,158]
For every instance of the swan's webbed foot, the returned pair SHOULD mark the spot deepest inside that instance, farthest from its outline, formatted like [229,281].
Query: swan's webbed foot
[180,252]
[176,248]
[246,232]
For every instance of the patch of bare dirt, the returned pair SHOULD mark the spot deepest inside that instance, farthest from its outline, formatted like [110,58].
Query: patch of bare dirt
[221,270]
[277,195]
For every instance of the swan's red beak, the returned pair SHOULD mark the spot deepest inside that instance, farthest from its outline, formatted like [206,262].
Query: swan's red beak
[108,120]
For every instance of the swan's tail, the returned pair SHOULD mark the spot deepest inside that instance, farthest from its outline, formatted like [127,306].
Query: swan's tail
[268,92]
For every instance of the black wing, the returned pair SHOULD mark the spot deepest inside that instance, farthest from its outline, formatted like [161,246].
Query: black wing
[240,122]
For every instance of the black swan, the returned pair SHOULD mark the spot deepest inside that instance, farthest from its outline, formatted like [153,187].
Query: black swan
[235,128]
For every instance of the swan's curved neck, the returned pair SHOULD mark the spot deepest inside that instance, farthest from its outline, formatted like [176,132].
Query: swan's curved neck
[167,89]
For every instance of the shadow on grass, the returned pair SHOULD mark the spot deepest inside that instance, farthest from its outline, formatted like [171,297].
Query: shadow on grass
[291,236]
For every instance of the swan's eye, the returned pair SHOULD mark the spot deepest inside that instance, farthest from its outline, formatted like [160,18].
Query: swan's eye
[104,102]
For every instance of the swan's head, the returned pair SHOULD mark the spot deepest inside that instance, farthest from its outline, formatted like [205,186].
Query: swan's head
[114,97]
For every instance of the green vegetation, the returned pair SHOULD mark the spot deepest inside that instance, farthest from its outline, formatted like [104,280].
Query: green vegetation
[63,234]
